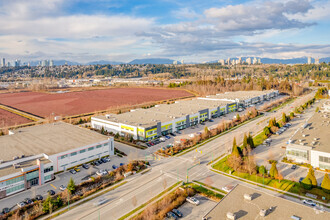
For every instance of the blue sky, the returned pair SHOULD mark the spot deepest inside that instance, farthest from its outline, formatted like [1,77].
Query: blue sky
[122,30]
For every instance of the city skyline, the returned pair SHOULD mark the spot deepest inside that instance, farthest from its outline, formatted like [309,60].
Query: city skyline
[195,31]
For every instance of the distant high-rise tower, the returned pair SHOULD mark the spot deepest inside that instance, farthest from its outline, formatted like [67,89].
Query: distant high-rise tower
[240,60]
[221,61]
[51,63]
[182,61]
[259,61]
[228,61]
[175,62]
[248,60]
[17,63]
[255,61]
[309,60]
[3,62]
[233,62]
[317,61]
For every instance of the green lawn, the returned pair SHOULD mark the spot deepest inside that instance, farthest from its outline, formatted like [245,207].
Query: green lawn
[290,100]
[259,139]
[204,191]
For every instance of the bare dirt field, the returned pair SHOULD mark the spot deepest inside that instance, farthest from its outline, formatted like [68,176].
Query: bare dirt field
[10,119]
[73,103]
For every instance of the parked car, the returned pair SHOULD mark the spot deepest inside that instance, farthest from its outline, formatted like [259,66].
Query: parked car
[101,172]
[177,212]
[156,141]
[28,201]
[85,166]
[289,124]
[148,145]
[294,166]
[171,215]
[121,164]
[21,204]
[301,179]
[211,120]
[77,169]
[103,160]
[73,171]
[114,167]
[162,139]
[39,198]
[202,123]
[107,159]
[173,134]
[309,202]
[151,143]
[178,132]
[62,187]
[51,192]
[100,161]
[96,163]
[5,210]
[167,137]
[240,110]
[192,200]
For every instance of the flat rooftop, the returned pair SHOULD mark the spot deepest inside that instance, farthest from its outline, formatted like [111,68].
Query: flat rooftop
[235,203]
[162,113]
[316,132]
[239,94]
[47,138]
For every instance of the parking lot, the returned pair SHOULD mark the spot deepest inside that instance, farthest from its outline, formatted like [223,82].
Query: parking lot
[60,179]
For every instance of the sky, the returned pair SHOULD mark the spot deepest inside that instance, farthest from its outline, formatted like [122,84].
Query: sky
[193,30]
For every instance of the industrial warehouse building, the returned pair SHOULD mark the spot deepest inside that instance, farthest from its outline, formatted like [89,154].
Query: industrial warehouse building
[244,98]
[310,143]
[147,124]
[30,156]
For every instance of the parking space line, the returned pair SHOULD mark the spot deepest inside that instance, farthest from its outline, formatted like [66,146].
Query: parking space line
[53,186]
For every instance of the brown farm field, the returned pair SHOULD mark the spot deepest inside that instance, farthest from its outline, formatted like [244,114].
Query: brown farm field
[74,103]
[11,119]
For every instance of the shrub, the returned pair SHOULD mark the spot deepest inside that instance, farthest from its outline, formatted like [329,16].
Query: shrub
[262,169]
[306,183]
[273,172]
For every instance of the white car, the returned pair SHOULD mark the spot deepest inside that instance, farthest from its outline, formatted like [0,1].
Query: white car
[309,202]
[101,172]
[192,200]
[21,204]
[162,139]
[227,188]
[62,187]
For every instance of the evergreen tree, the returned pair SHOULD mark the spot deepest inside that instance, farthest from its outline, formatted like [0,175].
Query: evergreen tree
[47,204]
[273,172]
[284,118]
[71,185]
[250,141]
[306,183]
[262,169]
[311,176]
[238,118]
[235,150]
[245,141]
[326,183]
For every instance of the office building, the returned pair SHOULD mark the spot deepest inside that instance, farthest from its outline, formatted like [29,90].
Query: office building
[255,61]
[317,61]
[17,63]
[244,202]
[3,62]
[31,156]
[309,60]
[228,61]
[259,61]
[222,62]
[248,61]
[240,60]
[310,143]
[175,62]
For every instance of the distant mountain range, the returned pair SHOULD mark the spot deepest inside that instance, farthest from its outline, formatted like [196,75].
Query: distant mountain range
[300,60]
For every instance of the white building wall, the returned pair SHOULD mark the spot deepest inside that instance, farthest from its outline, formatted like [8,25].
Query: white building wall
[65,160]
[315,155]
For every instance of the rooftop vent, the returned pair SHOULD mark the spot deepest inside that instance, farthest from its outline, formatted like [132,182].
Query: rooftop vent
[248,197]
[231,216]
[263,212]
[294,217]
[16,166]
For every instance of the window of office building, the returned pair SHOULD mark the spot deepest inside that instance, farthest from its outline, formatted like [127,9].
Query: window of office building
[15,188]
[106,144]
[83,151]
[324,159]
[297,153]
[98,146]
[15,180]
[48,177]
[32,175]
[64,156]
[48,169]
[91,148]
[73,153]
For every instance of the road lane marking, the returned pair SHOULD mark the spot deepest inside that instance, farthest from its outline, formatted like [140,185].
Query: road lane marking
[53,186]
